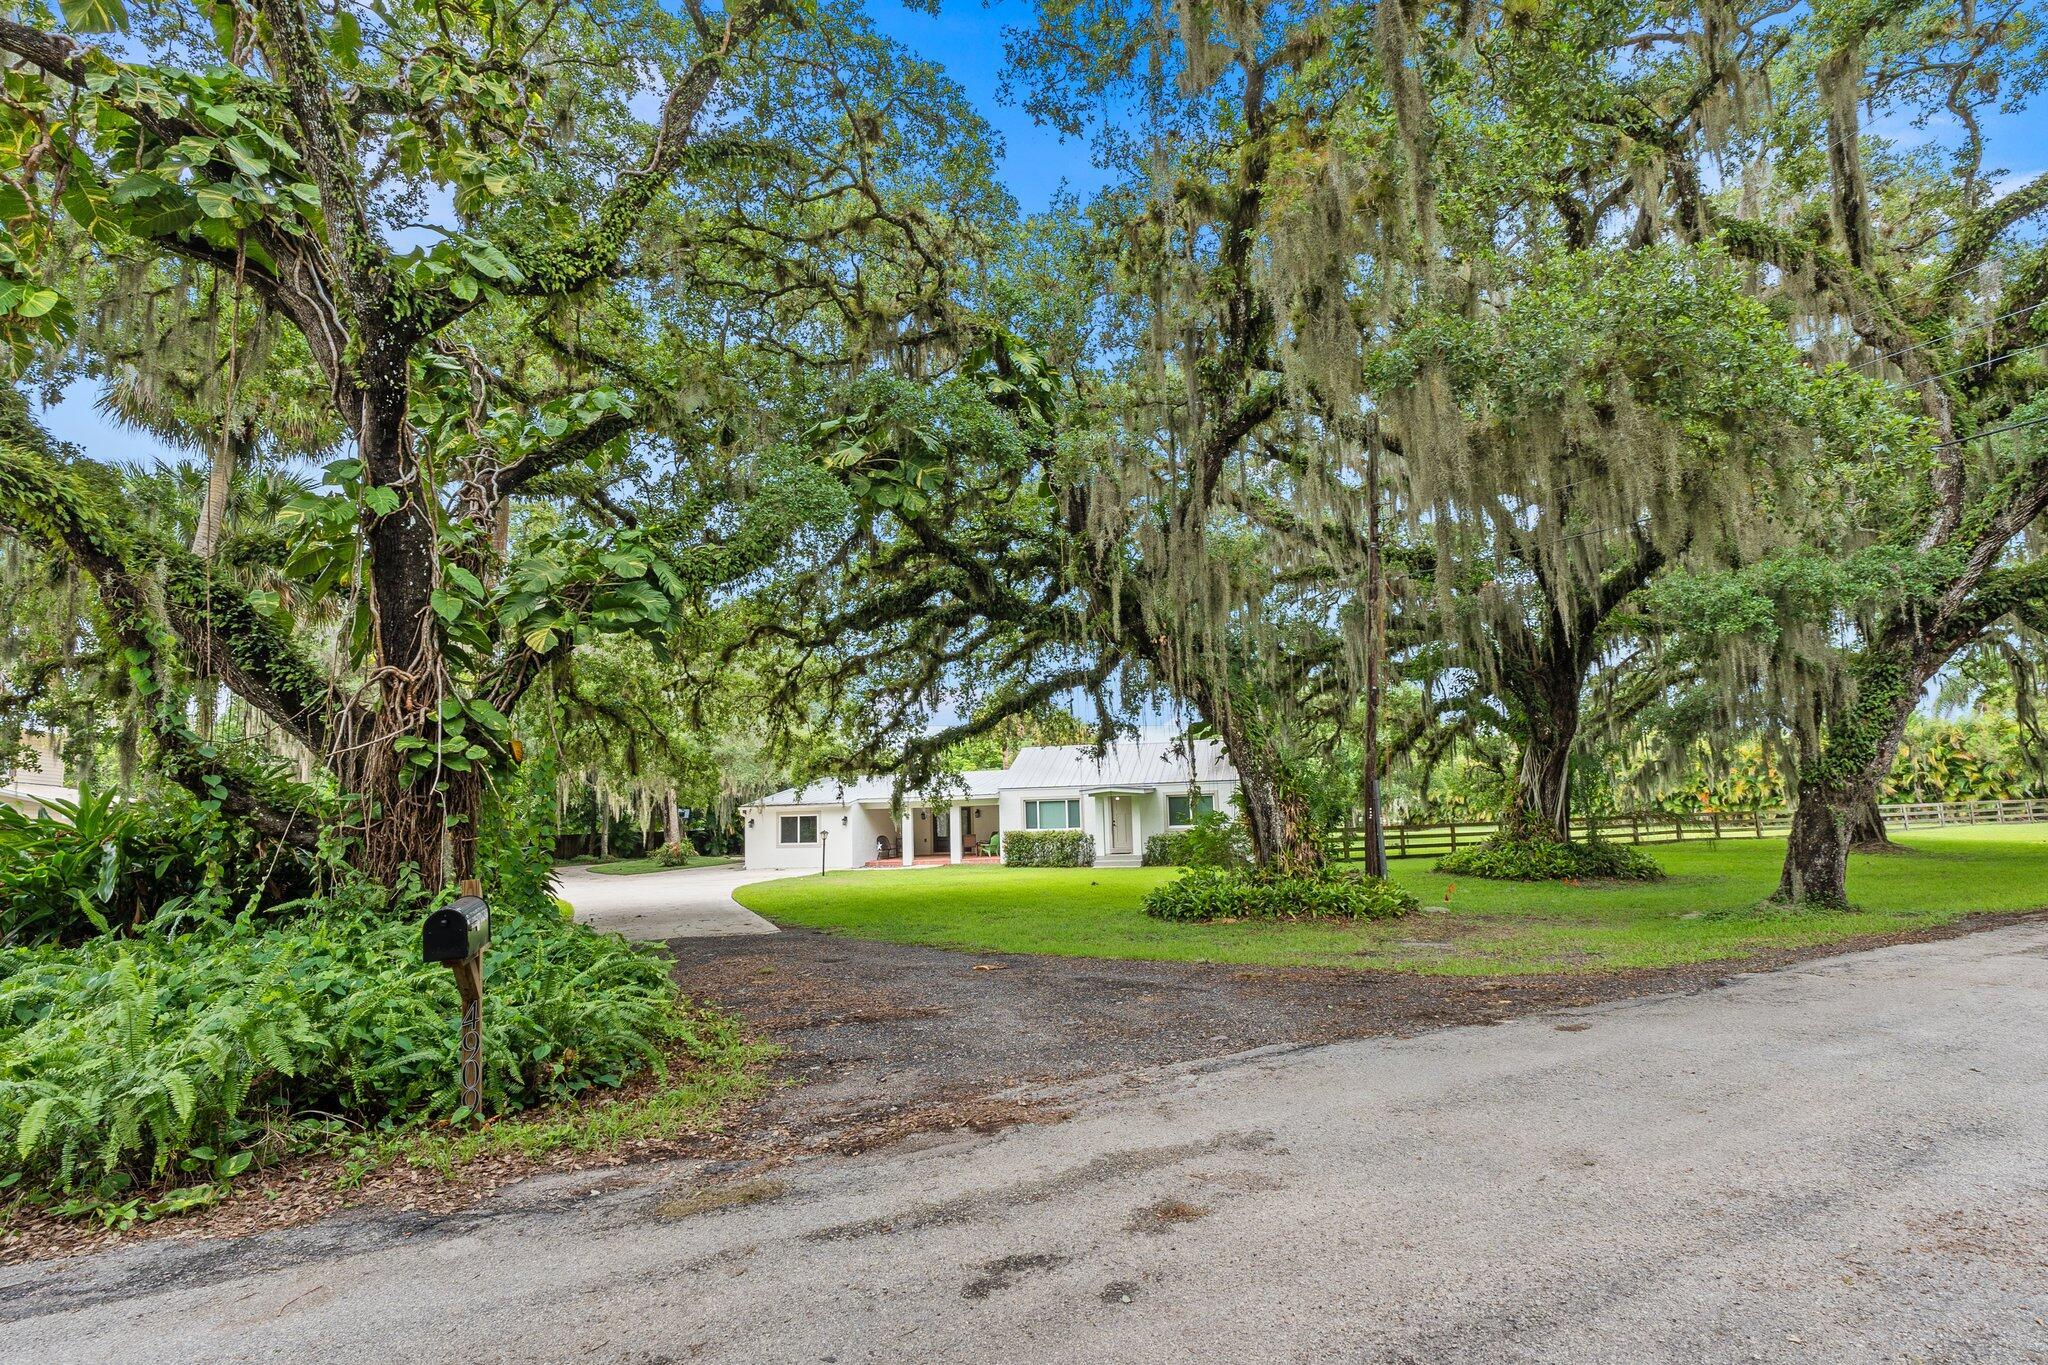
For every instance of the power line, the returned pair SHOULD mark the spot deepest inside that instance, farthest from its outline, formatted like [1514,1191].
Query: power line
[1945,374]
[1988,360]
[1992,431]
[1923,345]
[1854,318]
[1640,522]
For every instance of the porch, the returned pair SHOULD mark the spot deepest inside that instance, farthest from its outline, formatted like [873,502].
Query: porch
[930,833]
[933,860]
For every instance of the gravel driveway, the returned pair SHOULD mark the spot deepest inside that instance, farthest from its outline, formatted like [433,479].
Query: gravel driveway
[1839,1161]
[689,902]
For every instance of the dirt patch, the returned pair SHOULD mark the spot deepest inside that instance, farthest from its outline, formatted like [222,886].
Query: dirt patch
[711,1198]
[1981,1235]
[1165,1215]
[1000,1274]
[888,1040]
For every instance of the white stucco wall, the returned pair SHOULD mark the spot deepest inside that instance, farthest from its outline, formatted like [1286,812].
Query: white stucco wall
[1148,812]
[869,823]
[851,829]
[766,852]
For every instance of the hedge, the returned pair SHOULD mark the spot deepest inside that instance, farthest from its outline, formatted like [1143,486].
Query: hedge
[1049,848]
[1551,860]
[1212,893]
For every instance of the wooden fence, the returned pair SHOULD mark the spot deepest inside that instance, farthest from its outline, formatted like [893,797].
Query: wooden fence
[1657,827]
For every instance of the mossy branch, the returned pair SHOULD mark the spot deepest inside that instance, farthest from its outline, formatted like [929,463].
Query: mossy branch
[42,500]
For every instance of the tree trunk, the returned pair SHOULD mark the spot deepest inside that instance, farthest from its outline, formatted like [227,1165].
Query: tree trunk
[675,823]
[1866,832]
[1816,871]
[1856,753]
[227,457]
[410,820]
[1276,814]
[1540,807]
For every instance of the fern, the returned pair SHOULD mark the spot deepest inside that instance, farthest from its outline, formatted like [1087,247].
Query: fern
[122,1056]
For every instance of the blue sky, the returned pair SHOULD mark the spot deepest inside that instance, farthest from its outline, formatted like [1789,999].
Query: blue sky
[966,38]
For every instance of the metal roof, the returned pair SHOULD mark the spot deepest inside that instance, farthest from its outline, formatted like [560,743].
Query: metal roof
[980,785]
[1126,764]
[1129,765]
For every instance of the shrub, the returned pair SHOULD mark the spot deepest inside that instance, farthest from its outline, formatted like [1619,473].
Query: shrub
[516,836]
[100,863]
[1049,848]
[1211,893]
[1212,841]
[1546,860]
[676,854]
[130,1059]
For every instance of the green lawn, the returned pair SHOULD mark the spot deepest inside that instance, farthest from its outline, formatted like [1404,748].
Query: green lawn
[1705,911]
[628,866]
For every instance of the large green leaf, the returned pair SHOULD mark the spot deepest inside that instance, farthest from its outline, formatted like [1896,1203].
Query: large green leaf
[96,16]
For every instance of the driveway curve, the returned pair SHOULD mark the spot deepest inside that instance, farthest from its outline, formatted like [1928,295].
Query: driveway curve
[689,902]
[1840,1161]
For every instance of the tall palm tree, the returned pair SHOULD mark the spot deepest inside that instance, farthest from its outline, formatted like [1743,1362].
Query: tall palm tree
[187,357]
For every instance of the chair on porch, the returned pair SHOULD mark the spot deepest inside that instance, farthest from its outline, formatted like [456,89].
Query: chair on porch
[887,848]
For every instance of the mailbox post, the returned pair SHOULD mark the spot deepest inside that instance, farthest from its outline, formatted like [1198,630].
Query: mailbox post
[457,934]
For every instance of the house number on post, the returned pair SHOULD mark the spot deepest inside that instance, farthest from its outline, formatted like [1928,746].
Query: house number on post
[457,934]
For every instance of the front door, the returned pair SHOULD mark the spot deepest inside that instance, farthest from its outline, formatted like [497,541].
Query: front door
[942,831]
[1119,824]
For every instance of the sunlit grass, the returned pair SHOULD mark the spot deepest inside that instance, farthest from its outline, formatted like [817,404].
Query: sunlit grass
[627,867]
[1706,911]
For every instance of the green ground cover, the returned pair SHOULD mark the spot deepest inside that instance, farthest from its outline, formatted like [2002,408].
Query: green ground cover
[630,866]
[1706,910]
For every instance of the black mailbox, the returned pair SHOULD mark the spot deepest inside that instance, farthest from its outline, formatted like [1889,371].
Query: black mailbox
[457,931]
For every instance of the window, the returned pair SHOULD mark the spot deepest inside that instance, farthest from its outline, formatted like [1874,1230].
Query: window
[1182,810]
[799,829]
[1052,815]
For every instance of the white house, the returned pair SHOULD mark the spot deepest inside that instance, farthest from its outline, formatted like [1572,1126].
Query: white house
[37,778]
[1121,797]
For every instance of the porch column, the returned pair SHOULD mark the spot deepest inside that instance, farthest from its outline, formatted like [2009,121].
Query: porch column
[1138,827]
[959,830]
[909,836]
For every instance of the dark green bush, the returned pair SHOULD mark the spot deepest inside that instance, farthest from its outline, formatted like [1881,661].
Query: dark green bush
[102,863]
[133,1058]
[1212,841]
[1211,893]
[1549,860]
[1048,848]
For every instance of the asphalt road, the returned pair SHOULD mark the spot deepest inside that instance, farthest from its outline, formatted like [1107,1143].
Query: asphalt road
[1841,1161]
[687,902]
